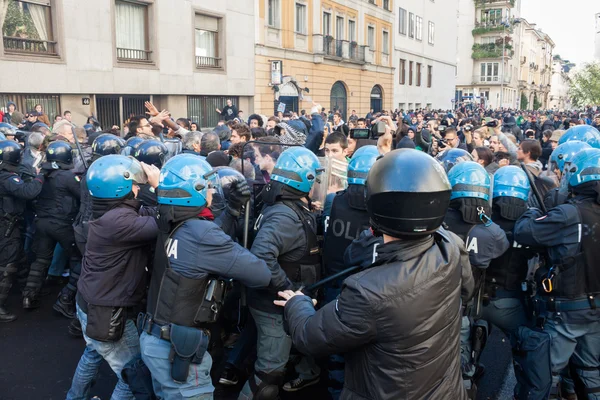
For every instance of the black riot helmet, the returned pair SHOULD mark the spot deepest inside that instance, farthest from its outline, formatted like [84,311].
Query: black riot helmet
[10,153]
[106,144]
[401,203]
[131,145]
[151,152]
[59,152]
[451,157]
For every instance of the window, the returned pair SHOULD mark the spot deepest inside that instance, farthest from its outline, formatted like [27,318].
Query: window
[131,24]
[410,72]
[371,37]
[429,75]
[339,28]
[273,16]
[301,18]
[489,39]
[326,24]
[385,43]
[402,21]
[402,71]
[411,25]
[352,31]
[489,72]
[418,74]
[419,28]
[28,28]
[386,5]
[207,42]
[491,17]
[431,35]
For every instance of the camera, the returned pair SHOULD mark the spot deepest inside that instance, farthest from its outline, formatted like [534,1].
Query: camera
[442,143]
[442,129]
[377,129]
[468,128]
[492,124]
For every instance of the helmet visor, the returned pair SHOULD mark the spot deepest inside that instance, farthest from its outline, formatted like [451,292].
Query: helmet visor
[214,193]
[135,172]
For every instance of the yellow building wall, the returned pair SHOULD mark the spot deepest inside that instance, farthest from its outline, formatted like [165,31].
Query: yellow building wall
[321,78]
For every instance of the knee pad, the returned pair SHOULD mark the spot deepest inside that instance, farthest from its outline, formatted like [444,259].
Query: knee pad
[267,387]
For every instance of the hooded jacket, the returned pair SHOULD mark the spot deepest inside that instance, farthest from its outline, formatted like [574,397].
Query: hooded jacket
[397,323]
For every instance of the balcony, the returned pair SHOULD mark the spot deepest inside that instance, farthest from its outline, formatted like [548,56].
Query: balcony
[339,50]
[490,80]
[332,47]
[208,62]
[491,50]
[493,3]
[357,53]
[133,55]
[29,46]
[490,27]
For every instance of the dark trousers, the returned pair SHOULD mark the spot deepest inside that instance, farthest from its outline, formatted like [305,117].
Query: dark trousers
[12,257]
[48,233]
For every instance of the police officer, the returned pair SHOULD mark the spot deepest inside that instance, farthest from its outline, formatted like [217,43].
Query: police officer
[584,133]
[151,152]
[506,287]
[187,289]
[568,303]
[468,217]
[286,239]
[131,145]
[559,159]
[13,194]
[56,209]
[388,318]
[449,158]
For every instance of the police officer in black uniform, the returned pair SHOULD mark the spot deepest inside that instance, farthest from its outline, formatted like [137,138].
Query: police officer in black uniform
[56,209]
[151,152]
[13,194]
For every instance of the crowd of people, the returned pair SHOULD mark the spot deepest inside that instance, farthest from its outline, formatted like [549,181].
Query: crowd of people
[381,249]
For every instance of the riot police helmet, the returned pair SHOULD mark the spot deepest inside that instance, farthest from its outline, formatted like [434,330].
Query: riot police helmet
[400,203]
[562,155]
[7,129]
[186,180]
[298,168]
[584,167]
[131,145]
[469,180]
[368,149]
[584,133]
[59,152]
[151,152]
[359,167]
[451,157]
[511,181]
[10,153]
[106,144]
[113,176]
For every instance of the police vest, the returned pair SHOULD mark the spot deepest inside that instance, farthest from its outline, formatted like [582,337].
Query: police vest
[55,201]
[173,298]
[510,269]
[457,225]
[344,225]
[306,269]
[8,204]
[578,276]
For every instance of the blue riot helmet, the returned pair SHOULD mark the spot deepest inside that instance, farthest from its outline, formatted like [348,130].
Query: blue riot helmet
[10,153]
[584,133]
[113,176]
[185,180]
[2,137]
[584,167]
[7,130]
[106,144]
[298,168]
[469,180]
[368,149]
[511,181]
[151,152]
[562,155]
[451,157]
[359,166]
[59,153]
[130,146]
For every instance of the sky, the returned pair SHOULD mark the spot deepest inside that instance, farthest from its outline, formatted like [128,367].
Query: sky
[569,24]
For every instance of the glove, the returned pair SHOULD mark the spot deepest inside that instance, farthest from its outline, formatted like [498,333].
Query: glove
[239,195]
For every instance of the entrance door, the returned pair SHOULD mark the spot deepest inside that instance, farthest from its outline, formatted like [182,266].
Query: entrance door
[376,98]
[338,98]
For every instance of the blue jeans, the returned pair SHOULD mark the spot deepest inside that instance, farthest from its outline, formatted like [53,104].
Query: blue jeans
[116,354]
[244,347]
[155,353]
[60,260]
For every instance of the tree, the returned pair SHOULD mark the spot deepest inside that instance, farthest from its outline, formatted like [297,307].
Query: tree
[536,102]
[585,86]
[523,102]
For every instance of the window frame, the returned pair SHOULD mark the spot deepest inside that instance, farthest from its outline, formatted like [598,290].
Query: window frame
[431,33]
[328,13]
[150,35]
[383,5]
[276,14]
[410,73]
[221,41]
[304,30]
[429,75]
[418,67]
[402,70]
[339,18]
[352,32]
[371,37]
[402,21]
[219,48]
[418,28]
[411,25]
[492,67]
[385,47]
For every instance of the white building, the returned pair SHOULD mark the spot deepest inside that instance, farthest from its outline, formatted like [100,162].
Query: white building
[559,91]
[488,52]
[597,41]
[106,57]
[425,49]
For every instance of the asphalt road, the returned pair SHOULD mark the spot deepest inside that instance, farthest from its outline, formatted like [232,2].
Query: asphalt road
[38,358]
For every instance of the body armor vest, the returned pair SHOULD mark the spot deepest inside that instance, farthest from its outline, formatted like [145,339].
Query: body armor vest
[9,206]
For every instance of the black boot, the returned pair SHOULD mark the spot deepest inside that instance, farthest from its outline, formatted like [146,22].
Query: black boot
[30,301]
[65,304]
[6,316]
[75,328]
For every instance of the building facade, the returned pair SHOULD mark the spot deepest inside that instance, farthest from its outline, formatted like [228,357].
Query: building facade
[425,49]
[488,54]
[535,71]
[559,89]
[597,37]
[335,53]
[106,57]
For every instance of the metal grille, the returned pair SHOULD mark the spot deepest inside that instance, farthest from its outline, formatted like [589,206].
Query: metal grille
[202,109]
[134,105]
[26,102]
[29,45]
[108,111]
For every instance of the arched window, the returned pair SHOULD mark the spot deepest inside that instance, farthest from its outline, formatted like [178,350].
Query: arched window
[338,98]
[376,98]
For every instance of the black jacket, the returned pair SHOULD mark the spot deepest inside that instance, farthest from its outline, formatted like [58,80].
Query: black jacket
[59,199]
[397,323]
[406,143]
[14,191]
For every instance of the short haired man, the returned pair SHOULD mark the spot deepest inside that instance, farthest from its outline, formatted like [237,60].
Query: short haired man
[209,143]
[67,115]
[272,122]
[336,146]
[240,133]
[192,143]
[229,112]
[139,126]
[361,123]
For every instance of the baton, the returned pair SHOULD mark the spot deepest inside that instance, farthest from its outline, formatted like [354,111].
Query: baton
[534,188]
[79,147]
[347,271]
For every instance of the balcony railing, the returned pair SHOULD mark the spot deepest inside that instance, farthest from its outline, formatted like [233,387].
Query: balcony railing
[133,54]
[332,47]
[490,27]
[208,62]
[357,53]
[491,50]
[485,3]
[490,79]
[29,46]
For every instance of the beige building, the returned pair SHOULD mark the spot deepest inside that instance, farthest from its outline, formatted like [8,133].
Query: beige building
[535,72]
[106,57]
[336,53]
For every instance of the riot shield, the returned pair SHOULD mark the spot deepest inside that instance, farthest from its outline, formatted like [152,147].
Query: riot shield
[174,146]
[333,179]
